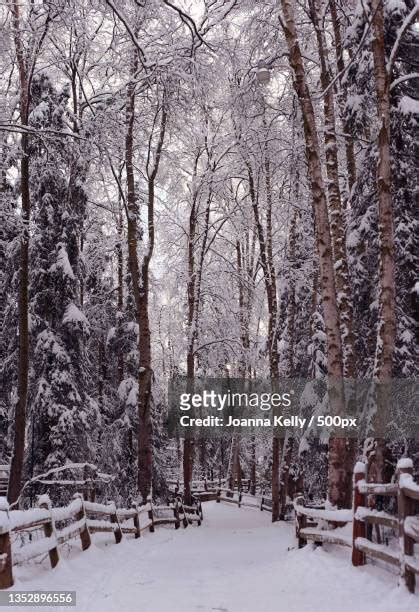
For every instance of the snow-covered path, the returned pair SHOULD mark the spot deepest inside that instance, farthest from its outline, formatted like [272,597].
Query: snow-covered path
[237,561]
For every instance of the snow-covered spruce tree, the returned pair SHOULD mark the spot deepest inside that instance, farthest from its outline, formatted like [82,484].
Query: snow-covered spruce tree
[372,241]
[119,439]
[300,315]
[340,460]
[62,415]
[404,120]
[363,234]
[363,237]
[298,306]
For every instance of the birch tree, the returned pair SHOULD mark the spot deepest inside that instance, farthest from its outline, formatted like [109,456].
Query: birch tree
[339,470]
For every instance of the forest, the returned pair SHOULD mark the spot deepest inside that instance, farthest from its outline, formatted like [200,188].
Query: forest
[203,189]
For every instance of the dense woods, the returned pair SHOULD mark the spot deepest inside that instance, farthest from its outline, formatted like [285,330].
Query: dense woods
[213,188]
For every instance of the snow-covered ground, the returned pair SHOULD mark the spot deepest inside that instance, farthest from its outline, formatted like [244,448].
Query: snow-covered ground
[237,561]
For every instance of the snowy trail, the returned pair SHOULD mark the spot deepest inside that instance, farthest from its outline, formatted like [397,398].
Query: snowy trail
[237,561]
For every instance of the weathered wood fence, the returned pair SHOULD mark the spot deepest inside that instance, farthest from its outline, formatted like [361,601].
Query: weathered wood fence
[323,525]
[317,523]
[79,519]
[203,486]
[243,499]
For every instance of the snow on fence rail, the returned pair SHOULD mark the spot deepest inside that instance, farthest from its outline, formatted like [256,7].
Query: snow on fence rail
[323,525]
[197,486]
[310,522]
[80,519]
[241,498]
[202,487]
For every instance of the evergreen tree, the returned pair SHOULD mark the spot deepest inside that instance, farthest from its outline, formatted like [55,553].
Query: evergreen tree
[363,231]
[62,415]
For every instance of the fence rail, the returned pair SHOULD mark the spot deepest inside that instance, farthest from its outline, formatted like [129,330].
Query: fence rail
[314,523]
[244,499]
[79,519]
[321,525]
[206,485]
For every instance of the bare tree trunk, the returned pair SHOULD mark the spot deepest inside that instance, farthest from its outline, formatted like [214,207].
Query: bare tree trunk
[245,261]
[245,282]
[270,287]
[237,466]
[289,441]
[195,312]
[145,458]
[349,143]
[337,221]
[131,200]
[287,451]
[101,374]
[292,298]
[272,336]
[140,284]
[253,465]
[189,443]
[244,307]
[337,218]
[120,300]
[16,468]
[195,269]
[232,462]
[340,477]
[387,322]
[386,333]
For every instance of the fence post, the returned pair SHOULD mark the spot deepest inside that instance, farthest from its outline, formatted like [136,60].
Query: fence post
[136,521]
[252,487]
[84,531]
[406,507]
[49,529]
[359,528]
[117,529]
[151,517]
[300,520]
[6,572]
[185,521]
[240,499]
[176,513]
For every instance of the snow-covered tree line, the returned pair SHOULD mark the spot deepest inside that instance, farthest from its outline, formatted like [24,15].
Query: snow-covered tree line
[165,212]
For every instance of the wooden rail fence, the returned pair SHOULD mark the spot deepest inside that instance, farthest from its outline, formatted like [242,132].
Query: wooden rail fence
[322,525]
[244,499]
[80,518]
[314,522]
[201,487]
